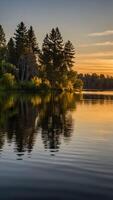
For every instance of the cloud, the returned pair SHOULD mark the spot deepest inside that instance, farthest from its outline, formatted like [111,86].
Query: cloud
[107,43]
[104,33]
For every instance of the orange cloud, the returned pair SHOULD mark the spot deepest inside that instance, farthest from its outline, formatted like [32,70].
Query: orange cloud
[104,33]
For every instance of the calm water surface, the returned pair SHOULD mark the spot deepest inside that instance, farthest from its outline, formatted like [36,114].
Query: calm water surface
[56,146]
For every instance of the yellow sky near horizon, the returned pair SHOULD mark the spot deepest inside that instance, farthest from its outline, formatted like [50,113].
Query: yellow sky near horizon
[96,55]
[100,63]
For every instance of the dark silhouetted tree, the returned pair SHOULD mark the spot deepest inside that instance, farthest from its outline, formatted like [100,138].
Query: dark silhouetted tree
[32,42]
[11,53]
[2,44]
[69,55]
[21,40]
[51,57]
[2,37]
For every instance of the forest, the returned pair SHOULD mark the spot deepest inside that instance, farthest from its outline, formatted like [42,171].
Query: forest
[96,82]
[23,65]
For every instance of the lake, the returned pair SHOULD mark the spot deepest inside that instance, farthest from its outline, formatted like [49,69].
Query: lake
[56,146]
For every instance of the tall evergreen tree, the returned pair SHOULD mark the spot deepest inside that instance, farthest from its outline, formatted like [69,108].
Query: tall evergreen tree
[21,40]
[2,37]
[69,55]
[51,56]
[2,44]
[32,42]
[11,53]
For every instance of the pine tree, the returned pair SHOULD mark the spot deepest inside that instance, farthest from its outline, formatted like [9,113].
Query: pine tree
[32,42]
[51,56]
[56,48]
[69,55]
[2,44]
[11,53]
[21,40]
[2,37]
[43,59]
[44,55]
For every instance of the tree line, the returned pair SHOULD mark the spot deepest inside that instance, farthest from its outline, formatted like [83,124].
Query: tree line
[94,81]
[24,64]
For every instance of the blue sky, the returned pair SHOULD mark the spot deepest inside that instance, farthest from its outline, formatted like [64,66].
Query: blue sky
[77,20]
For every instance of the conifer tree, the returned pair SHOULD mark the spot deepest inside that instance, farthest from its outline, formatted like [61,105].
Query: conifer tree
[2,44]
[2,37]
[21,40]
[32,42]
[69,55]
[11,53]
[51,56]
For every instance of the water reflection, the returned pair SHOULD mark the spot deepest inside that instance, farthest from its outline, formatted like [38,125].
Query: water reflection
[22,117]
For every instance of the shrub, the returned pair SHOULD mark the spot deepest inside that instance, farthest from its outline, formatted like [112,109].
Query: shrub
[7,67]
[39,84]
[8,80]
[78,85]
[36,81]
[29,85]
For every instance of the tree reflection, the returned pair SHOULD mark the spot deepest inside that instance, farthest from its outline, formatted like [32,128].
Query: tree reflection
[22,116]
[56,122]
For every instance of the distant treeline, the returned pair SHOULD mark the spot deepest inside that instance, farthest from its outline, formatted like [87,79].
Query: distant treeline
[94,81]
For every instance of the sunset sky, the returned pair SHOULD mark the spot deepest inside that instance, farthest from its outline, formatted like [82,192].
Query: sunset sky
[87,23]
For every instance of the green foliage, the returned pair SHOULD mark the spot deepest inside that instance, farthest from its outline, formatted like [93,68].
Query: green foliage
[78,85]
[67,81]
[8,80]
[34,84]
[27,85]
[6,67]
[72,76]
